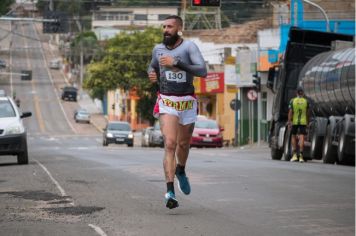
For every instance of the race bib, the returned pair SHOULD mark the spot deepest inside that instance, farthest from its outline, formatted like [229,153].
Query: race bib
[177,76]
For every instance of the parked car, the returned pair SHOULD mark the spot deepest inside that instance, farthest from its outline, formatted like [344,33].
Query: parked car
[2,93]
[69,93]
[55,64]
[13,136]
[2,64]
[155,136]
[145,136]
[206,133]
[82,115]
[118,132]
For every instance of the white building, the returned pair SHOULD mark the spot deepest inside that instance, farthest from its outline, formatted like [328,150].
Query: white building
[137,17]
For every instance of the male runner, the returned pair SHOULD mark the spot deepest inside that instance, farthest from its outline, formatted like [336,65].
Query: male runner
[297,121]
[174,64]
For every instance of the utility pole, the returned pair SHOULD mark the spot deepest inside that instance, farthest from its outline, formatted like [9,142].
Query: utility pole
[184,7]
[51,5]
[80,27]
[10,51]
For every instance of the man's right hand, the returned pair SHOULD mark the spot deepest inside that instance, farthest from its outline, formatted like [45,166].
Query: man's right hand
[152,76]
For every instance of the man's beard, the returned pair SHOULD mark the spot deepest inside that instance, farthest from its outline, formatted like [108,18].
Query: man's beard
[171,40]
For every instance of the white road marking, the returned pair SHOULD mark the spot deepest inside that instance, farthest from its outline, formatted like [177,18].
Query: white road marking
[63,193]
[61,190]
[53,86]
[98,230]
[80,148]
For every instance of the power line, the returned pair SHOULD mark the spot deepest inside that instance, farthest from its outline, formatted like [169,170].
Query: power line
[21,35]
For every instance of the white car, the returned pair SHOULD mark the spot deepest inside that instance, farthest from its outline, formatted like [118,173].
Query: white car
[55,64]
[82,115]
[13,136]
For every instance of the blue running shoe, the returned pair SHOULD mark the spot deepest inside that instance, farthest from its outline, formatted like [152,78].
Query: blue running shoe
[171,201]
[183,182]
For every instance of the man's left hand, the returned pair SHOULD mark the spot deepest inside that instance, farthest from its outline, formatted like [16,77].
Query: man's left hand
[166,61]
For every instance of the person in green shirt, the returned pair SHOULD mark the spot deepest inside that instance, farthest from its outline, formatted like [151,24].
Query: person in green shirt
[298,117]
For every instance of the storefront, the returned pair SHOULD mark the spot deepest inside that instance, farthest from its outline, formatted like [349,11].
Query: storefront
[207,90]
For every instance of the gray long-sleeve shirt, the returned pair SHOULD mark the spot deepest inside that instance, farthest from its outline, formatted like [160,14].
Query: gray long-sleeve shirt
[178,80]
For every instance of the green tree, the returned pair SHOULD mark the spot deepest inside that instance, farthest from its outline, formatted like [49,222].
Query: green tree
[125,66]
[5,6]
[91,48]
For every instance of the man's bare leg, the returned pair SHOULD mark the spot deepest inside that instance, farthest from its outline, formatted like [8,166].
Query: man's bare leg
[169,127]
[301,147]
[182,151]
[294,148]
[183,144]
[294,144]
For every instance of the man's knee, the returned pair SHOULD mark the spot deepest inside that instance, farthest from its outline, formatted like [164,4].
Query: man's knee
[170,144]
[183,145]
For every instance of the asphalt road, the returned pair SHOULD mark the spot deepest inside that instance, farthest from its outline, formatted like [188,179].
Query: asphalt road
[75,186]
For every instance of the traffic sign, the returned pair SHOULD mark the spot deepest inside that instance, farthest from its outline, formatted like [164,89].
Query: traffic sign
[252,95]
[235,104]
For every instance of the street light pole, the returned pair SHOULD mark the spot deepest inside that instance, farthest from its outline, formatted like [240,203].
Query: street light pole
[322,11]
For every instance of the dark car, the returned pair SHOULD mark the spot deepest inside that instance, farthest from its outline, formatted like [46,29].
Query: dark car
[2,64]
[69,93]
[207,133]
[155,136]
[118,132]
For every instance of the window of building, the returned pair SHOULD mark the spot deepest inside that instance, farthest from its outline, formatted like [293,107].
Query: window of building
[100,16]
[162,16]
[140,17]
[119,16]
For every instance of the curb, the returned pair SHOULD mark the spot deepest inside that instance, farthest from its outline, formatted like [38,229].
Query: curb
[97,126]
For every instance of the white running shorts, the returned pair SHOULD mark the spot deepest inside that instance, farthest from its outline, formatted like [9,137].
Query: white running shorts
[184,107]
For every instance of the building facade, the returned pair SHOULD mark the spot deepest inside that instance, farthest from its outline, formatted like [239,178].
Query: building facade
[126,18]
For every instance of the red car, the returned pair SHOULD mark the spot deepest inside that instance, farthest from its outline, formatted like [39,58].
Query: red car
[207,133]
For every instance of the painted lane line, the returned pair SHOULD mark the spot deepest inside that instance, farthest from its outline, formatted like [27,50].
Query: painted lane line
[63,193]
[38,112]
[52,82]
[61,190]
[98,230]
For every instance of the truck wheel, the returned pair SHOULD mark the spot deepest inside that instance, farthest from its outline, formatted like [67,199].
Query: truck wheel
[22,157]
[287,146]
[329,151]
[276,153]
[316,142]
[343,158]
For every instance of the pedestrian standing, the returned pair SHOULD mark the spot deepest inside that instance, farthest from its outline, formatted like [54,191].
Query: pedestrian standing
[298,117]
[174,64]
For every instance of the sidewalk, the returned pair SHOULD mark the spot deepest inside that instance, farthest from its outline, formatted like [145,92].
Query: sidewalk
[97,117]
[99,121]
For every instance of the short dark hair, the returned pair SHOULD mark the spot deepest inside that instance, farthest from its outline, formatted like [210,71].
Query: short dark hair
[175,17]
